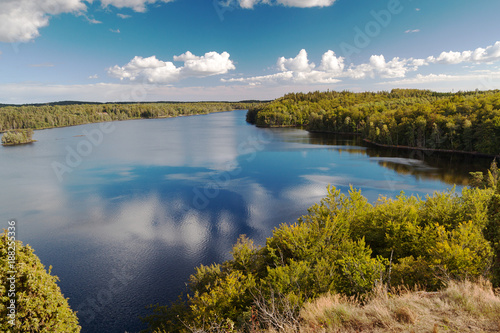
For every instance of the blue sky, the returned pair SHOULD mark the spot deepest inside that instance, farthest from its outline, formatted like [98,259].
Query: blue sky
[189,50]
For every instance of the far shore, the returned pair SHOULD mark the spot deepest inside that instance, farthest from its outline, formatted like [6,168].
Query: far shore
[139,118]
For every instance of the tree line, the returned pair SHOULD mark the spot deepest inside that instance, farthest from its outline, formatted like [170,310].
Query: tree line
[62,114]
[463,121]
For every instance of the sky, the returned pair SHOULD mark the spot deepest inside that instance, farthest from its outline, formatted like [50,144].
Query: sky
[231,50]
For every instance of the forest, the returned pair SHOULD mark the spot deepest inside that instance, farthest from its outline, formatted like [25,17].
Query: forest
[347,253]
[74,113]
[462,121]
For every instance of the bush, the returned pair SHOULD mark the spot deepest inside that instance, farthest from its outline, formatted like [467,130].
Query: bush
[347,246]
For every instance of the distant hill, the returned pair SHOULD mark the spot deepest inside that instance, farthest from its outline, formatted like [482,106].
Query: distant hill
[144,102]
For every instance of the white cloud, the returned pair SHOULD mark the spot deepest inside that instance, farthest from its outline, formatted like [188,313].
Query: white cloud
[153,70]
[136,5]
[412,31]
[116,31]
[298,64]
[20,20]
[91,20]
[123,16]
[306,3]
[212,63]
[300,70]
[332,67]
[249,4]
[331,63]
[379,67]
[93,77]
[480,55]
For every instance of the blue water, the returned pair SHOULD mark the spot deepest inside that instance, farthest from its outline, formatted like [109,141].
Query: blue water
[124,216]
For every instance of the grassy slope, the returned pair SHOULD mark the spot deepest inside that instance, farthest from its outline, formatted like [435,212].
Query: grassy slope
[460,307]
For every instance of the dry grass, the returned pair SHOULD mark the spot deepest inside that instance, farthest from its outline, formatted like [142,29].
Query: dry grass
[461,307]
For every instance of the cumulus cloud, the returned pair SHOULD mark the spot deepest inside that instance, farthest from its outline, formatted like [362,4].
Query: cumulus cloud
[300,70]
[212,63]
[298,64]
[306,3]
[330,63]
[249,4]
[333,68]
[377,66]
[480,55]
[20,20]
[153,70]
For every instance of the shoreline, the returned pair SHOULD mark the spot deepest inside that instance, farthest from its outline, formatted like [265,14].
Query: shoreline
[113,120]
[17,144]
[448,151]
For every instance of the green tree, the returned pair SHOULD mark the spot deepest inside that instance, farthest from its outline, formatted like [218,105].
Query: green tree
[40,305]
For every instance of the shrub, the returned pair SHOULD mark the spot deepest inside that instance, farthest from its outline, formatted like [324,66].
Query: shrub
[347,246]
[40,305]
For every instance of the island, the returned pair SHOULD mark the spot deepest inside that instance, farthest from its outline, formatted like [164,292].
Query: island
[17,137]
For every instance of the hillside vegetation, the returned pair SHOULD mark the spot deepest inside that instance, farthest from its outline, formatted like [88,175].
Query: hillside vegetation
[349,247]
[58,115]
[463,121]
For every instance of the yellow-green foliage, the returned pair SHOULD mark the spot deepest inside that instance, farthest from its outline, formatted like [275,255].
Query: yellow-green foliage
[17,137]
[40,306]
[344,245]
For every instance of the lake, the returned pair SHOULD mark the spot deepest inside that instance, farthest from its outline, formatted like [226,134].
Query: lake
[125,214]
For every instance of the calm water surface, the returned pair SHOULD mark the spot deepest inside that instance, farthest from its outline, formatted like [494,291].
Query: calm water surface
[125,225]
